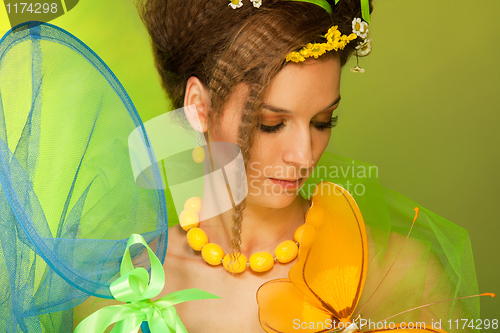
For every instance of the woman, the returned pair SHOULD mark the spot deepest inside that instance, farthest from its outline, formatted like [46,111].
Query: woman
[279,113]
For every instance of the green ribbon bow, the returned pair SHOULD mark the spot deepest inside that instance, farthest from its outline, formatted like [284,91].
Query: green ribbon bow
[365,7]
[133,288]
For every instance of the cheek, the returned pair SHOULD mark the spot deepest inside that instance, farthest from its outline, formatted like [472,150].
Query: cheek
[320,143]
[227,131]
[257,155]
[265,148]
[230,120]
[265,155]
[268,150]
[223,136]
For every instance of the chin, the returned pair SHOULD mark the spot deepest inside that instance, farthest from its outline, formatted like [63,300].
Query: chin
[277,199]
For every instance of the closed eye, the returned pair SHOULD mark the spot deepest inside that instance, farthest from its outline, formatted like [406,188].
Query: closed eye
[318,124]
[271,129]
[324,125]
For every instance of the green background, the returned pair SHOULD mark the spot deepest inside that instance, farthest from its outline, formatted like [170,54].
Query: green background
[426,110]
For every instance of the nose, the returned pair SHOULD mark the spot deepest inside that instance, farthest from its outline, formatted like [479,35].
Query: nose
[298,152]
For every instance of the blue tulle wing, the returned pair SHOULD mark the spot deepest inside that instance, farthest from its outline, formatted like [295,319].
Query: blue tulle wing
[68,198]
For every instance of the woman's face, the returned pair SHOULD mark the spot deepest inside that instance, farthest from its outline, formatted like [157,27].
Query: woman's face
[293,132]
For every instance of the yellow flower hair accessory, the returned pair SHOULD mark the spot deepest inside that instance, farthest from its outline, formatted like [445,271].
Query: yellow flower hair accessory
[334,41]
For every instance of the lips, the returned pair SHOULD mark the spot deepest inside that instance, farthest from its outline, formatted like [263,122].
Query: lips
[285,183]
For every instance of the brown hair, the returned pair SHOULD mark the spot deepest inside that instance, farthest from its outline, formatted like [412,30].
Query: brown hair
[223,47]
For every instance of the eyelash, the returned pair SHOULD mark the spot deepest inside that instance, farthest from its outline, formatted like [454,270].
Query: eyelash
[319,125]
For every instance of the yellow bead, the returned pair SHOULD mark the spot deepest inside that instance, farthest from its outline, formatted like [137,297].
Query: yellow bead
[297,236]
[238,266]
[198,154]
[196,238]
[261,261]
[194,204]
[212,253]
[189,219]
[286,251]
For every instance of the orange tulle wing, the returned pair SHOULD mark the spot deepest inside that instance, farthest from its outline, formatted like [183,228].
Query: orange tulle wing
[284,308]
[333,258]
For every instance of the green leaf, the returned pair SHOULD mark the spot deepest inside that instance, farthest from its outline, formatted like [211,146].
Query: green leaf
[322,3]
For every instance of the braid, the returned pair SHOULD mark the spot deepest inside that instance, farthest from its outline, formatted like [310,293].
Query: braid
[245,136]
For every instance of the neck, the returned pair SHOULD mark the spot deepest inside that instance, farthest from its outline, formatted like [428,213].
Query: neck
[262,228]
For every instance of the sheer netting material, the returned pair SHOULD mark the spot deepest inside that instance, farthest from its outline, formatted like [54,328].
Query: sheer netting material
[68,199]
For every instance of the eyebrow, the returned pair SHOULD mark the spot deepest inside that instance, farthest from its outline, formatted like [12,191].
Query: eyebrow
[284,111]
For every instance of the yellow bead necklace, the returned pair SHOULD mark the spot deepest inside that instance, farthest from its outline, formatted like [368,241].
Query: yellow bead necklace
[214,255]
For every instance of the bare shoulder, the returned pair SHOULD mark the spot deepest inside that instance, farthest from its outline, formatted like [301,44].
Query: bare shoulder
[407,266]
[178,251]
[177,245]
[389,244]
[402,255]
[178,261]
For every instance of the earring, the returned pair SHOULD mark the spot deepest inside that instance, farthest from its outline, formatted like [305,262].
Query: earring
[199,152]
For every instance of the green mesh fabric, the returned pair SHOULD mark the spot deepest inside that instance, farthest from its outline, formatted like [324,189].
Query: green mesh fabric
[436,262]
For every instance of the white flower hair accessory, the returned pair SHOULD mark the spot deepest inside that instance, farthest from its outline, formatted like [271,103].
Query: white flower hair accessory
[256,3]
[360,27]
[357,69]
[236,4]
[364,47]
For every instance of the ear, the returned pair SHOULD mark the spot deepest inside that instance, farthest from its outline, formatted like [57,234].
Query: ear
[197,104]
